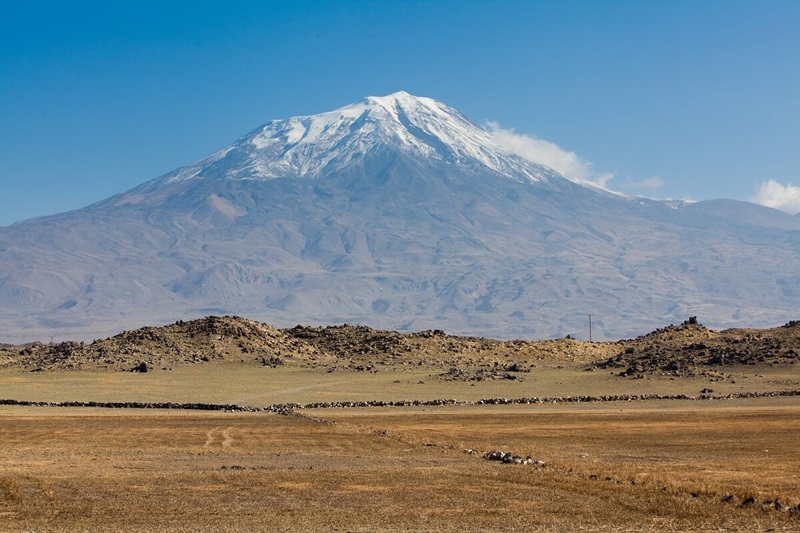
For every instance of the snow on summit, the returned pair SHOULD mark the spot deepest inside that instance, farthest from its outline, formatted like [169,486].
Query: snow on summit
[310,146]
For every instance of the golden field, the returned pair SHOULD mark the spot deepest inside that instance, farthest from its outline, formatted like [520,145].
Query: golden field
[614,466]
[699,464]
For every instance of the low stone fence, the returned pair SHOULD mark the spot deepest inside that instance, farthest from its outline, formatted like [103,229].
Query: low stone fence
[284,408]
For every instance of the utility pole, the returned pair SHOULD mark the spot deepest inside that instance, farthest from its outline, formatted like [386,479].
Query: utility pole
[590,328]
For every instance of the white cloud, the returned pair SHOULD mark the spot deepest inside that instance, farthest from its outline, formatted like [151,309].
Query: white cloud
[564,162]
[774,194]
[652,183]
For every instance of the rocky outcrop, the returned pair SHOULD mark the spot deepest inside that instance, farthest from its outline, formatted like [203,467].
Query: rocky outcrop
[511,458]
[213,338]
[690,349]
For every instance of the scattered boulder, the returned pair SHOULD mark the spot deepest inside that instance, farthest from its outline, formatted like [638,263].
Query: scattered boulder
[779,506]
[511,458]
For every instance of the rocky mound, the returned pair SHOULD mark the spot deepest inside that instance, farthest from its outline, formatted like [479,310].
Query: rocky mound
[356,348]
[207,339]
[692,349]
[360,348]
[333,348]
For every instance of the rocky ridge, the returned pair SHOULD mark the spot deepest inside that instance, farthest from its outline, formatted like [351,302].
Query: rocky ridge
[692,349]
[198,341]
[683,350]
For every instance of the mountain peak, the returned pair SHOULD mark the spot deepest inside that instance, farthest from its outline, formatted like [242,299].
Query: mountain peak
[403,100]
[317,145]
[395,96]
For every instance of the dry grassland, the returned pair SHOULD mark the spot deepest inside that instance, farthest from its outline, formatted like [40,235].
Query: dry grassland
[260,386]
[400,470]
[744,447]
[611,466]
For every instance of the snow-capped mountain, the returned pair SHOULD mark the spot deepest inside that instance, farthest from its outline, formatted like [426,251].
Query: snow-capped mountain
[318,145]
[397,212]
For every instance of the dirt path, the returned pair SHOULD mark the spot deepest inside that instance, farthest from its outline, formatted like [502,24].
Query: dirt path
[223,436]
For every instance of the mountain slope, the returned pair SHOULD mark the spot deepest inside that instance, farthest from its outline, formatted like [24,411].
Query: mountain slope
[399,213]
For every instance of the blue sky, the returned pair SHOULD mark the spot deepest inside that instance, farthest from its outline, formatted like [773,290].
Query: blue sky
[672,99]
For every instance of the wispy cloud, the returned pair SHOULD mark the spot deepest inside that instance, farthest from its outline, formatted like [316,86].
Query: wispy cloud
[650,184]
[774,194]
[567,163]
[544,152]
